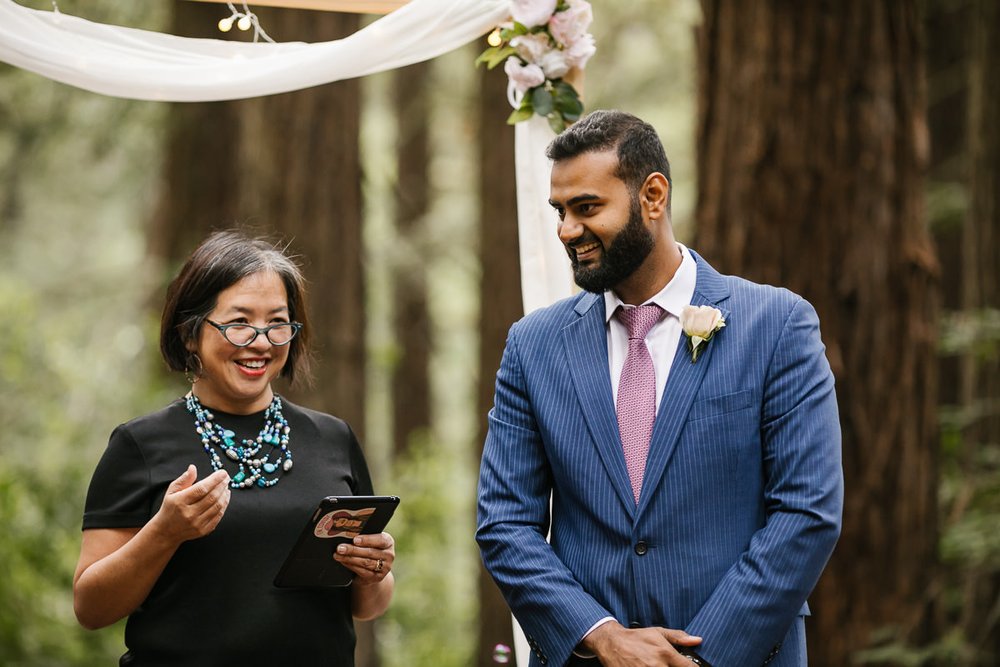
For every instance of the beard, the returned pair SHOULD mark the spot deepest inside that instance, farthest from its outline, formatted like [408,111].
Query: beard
[626,253]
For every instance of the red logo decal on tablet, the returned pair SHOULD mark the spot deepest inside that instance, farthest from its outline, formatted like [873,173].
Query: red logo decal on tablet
[343,523]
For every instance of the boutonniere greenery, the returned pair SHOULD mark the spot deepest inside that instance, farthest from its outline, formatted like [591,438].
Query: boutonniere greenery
[700,324]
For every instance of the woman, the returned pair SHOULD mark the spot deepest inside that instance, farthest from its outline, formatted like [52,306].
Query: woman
[190,558]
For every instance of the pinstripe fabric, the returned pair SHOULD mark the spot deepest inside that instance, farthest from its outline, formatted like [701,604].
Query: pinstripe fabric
[741,502]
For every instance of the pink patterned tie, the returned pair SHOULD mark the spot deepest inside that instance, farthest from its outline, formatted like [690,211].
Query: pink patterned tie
[637,391]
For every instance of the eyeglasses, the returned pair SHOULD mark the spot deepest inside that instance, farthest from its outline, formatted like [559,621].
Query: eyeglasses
[241,335]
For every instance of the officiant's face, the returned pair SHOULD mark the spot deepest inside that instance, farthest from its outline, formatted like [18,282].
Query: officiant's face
[601,221]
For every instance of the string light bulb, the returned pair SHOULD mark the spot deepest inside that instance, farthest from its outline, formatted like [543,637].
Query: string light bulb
[244,20]
[494,39]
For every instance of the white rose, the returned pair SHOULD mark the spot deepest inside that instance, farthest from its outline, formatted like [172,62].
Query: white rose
[701,322]
[571,24]
[580,51]
[524,77]
[532,47]
[530,13]
[554,64]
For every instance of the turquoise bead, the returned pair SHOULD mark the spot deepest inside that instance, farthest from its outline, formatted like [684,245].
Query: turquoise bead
[269,467]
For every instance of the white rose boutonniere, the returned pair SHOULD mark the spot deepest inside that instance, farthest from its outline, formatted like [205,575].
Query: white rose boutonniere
[700,323]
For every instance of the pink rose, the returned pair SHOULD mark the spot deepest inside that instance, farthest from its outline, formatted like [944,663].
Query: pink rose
[554,64]
[571,24]
[524,77]
[530,13]
[532,47]
[579,53]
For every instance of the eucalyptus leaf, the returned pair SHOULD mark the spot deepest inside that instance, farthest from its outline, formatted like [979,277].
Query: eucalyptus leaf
[557,123]
[522,114]
[495,55]
[518,29]
[541,100]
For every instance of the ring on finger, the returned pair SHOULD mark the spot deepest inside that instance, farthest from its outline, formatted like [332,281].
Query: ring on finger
[379,565]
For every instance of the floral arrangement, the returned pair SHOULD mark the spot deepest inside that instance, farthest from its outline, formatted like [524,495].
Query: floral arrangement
[541,44]
[700,324]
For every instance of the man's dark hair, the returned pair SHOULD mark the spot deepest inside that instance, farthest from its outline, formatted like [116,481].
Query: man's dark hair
[639,150]
[221,261]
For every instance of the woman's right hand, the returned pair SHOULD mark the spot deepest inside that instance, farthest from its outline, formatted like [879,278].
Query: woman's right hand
[191,510]
[119,566]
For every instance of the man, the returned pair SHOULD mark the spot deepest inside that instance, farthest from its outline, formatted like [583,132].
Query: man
[690,481]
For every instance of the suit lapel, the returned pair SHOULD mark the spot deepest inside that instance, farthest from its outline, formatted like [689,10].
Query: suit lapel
[683,382]
[586,344]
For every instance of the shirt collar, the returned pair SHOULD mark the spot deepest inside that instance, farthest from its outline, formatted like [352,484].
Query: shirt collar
[673,297]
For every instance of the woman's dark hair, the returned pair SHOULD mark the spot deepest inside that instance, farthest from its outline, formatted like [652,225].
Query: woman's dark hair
[638,147]
[221,261]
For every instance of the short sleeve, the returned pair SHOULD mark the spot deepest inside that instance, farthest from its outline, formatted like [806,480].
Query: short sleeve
[120,493]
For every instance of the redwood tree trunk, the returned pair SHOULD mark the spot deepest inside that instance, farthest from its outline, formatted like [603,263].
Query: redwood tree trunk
[812,147]
[980,364]
[500,299]
[287,166]
[411,388]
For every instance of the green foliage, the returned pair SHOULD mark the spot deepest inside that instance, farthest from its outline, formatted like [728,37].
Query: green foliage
[433,617]
[952,649]
[75,358]
[41,519]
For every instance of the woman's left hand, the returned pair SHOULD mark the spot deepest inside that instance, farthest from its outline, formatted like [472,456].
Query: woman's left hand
[370,557]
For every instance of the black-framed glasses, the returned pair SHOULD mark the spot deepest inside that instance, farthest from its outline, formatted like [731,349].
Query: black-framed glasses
[241,335]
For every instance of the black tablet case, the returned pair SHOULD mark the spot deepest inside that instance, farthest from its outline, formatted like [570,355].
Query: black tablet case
[338,519]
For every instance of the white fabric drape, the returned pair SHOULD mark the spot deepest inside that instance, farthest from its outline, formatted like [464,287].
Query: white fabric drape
[140,64]
[543,257]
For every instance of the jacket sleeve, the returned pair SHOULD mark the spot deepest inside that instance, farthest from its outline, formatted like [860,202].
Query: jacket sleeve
[515,483]
[757,600]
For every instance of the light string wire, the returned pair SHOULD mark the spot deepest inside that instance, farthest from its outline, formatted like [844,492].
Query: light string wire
[244,20]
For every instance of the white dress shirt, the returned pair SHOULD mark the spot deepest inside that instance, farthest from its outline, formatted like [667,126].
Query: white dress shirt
[663,338]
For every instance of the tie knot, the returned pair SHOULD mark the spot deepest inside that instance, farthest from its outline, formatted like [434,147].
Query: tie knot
[639,320]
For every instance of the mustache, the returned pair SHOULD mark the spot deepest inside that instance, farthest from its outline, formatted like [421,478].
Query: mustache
[588,237]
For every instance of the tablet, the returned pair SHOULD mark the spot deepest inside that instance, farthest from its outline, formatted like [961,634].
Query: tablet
[338,519]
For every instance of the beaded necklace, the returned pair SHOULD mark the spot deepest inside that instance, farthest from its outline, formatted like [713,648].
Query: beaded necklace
[252,466]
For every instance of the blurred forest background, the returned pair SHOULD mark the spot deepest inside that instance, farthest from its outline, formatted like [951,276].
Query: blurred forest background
[847,150]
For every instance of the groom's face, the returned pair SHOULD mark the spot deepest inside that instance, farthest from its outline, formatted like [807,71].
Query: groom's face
[601,223]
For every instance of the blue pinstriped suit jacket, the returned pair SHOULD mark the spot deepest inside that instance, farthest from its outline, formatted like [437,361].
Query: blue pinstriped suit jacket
[741,501]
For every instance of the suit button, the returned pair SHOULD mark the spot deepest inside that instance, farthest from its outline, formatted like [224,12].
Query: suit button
[635,624]
[641,547]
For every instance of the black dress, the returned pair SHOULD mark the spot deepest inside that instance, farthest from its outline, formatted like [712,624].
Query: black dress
[215,604]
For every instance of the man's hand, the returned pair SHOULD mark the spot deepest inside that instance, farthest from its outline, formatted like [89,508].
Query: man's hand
[617,646]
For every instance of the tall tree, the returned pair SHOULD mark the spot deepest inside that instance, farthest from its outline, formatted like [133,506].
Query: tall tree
[287,165]
[812,148]
[979,375]
[500,299]
[411,382]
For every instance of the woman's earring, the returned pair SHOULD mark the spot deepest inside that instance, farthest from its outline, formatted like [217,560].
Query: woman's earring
[194,368]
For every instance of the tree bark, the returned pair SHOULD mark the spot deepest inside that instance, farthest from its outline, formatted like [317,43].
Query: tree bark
[812,146]
[979,382]
[500,299]
[411,382]
[287,166]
